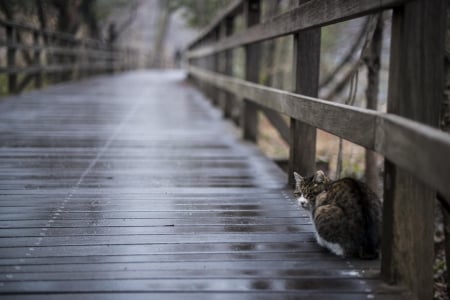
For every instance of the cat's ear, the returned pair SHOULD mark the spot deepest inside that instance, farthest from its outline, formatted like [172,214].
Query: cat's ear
[319,177]
[297,177]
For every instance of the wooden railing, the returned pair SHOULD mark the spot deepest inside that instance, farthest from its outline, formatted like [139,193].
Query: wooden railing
[57,56]
[417,155]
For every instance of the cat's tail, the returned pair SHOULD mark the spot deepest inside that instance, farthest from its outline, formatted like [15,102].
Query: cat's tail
[371,211]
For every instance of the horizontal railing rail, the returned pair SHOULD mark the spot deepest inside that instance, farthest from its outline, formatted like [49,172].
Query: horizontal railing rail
[309,15]
[417,153]
[45,54]
[418,148]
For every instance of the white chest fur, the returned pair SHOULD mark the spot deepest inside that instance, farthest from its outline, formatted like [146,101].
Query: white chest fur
[333,247]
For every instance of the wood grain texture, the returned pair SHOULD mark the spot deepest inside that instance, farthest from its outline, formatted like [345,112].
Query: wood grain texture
[315,13]
[230,102]
[373,131]
[416,83]
[37,59]
[249,112]
[421,150]
[312,111]
[417,163]
[110,191]
[302,150]
[66,55]
[11,36]
[228,12]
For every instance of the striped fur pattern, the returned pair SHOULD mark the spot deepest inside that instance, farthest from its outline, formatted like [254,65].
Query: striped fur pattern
[346,214]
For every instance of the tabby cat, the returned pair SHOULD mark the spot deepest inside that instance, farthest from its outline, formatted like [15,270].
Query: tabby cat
[345,213]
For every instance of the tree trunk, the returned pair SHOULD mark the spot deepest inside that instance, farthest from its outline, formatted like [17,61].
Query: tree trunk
[161,32]
[41,14]
[87,9]
[6,9]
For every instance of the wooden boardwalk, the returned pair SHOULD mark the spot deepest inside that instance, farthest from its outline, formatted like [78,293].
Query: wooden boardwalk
[121,186]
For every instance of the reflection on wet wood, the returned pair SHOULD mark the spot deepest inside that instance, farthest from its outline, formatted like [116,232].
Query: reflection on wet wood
[132,186]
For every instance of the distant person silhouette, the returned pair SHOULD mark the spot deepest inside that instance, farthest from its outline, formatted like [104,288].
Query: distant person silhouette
[177,58]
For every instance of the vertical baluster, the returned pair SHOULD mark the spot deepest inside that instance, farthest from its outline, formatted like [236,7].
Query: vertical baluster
[416,83]
[306,81]
[228,67]
[249,114]
[37,59]
[11,35]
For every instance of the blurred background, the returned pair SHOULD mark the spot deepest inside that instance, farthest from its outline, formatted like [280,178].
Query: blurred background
[43,42]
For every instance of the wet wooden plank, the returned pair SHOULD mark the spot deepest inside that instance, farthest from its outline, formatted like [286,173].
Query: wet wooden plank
[204,284]
[199,296]
[112,193]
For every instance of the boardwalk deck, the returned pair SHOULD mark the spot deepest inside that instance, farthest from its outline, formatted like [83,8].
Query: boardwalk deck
[117,187]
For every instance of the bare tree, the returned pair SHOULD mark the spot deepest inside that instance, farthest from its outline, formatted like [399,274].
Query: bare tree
[161,32]
[348,57]
[114,30]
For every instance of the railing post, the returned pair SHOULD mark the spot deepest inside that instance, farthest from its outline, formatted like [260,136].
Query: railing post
[124,60]
[249,114]
[82,59]
[112,59]
[66,74]
[48,55]
[415,91]
[37,59]
[115,59]
[203,63]
[71,60]
[228,68]
[220,66]
[216,94]
[11,36]
[302,151]
[210,65]
[78,59]
[75,59]
[129,60]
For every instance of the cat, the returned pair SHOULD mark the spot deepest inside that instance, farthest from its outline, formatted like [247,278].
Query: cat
[346,214]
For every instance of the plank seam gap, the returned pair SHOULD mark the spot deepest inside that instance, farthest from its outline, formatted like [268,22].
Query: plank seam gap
[57,211]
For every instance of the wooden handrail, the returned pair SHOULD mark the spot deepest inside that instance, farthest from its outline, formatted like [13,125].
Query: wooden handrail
[418,148]
[417,154]
[230,10]
[47,33]
[66,54]
[312,14]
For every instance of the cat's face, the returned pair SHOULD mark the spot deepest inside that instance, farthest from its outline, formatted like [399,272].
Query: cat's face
[307,188]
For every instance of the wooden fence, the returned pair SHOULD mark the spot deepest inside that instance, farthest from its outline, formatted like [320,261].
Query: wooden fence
[417,154]
[34,54]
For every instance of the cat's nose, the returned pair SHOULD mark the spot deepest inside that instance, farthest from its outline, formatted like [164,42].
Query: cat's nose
[303,202]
